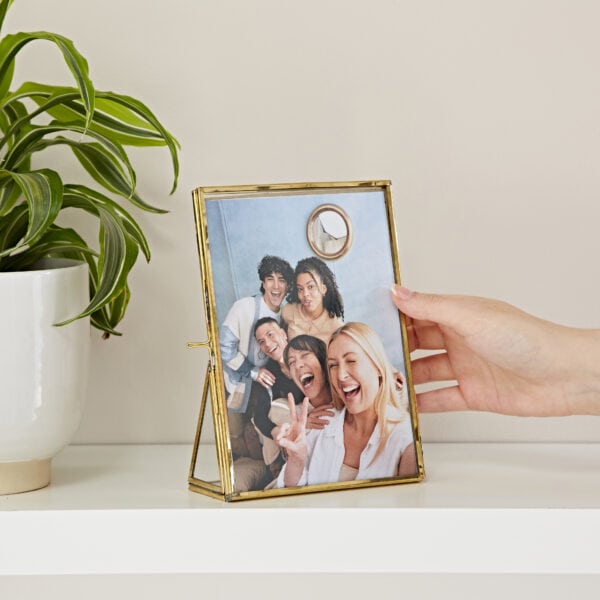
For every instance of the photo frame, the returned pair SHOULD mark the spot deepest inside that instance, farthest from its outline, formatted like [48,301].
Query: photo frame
[308,386]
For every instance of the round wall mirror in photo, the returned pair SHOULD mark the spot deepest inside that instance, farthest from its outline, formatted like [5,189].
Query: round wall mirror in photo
[329,231]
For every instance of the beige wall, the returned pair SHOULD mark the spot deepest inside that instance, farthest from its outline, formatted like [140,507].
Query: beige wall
[483,114]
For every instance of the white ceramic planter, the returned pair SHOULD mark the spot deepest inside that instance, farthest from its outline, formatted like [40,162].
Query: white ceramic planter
[43,369]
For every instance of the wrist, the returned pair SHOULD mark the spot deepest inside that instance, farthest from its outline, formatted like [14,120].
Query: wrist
[293,472]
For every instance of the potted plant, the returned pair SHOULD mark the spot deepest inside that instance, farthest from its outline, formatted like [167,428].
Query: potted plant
[35,385]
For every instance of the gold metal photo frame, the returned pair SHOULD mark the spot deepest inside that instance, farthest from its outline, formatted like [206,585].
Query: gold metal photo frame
[308,386]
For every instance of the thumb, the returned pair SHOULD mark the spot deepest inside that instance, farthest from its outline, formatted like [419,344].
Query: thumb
[441,309]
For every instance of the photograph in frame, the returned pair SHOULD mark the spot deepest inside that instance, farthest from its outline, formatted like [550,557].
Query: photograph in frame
[310,383]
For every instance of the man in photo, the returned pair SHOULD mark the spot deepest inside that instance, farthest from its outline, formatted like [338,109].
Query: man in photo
[243,361]
[269,404]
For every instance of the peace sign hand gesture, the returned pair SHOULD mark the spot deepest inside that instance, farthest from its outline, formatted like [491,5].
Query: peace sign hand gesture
[292,437]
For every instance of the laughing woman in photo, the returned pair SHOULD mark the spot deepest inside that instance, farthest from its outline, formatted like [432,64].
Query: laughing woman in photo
[305,377]
[370,434]
[306,359]
[315,303]
[305,368]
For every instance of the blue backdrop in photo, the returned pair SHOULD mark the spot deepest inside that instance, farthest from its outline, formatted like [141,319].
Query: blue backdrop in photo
[243,230]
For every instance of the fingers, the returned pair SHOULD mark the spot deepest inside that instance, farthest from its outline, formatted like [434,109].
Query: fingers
[442,400]
[422,322]
[432,368]
[321,412]
[265,377]
[292,407]
[284,442]
[284,429]
[320,420]
[466,315]
[325,409]
[424,336]
[303,412]
[442,309]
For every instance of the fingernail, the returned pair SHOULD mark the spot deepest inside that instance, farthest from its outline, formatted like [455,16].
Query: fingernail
[401,292]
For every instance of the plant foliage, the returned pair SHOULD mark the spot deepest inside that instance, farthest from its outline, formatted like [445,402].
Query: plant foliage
[97,127]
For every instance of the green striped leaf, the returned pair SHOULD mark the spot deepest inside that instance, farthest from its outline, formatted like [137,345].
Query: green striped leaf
[103,165]
[122,119]
[56,242]
[142,110]
[13,43]
[80,196]
[106,171]
[22,123]
[11,113]
[9,196]
[118,307]
[43,193]
[100,317]
[26,143]
[12,230]
[4,123]
[6,80]
[4,6]
[127,127]
[118,253]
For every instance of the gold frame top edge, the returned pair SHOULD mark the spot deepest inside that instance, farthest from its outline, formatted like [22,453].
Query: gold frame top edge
[292,186]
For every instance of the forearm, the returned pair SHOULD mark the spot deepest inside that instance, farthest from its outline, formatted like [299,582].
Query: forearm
[232,355]
[261,414]
[583,368]
[237,362]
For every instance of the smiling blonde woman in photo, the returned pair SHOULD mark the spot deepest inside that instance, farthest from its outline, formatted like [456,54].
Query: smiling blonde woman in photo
[369,435]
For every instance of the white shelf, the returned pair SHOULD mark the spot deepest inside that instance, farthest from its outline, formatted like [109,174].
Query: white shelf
[484,508]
